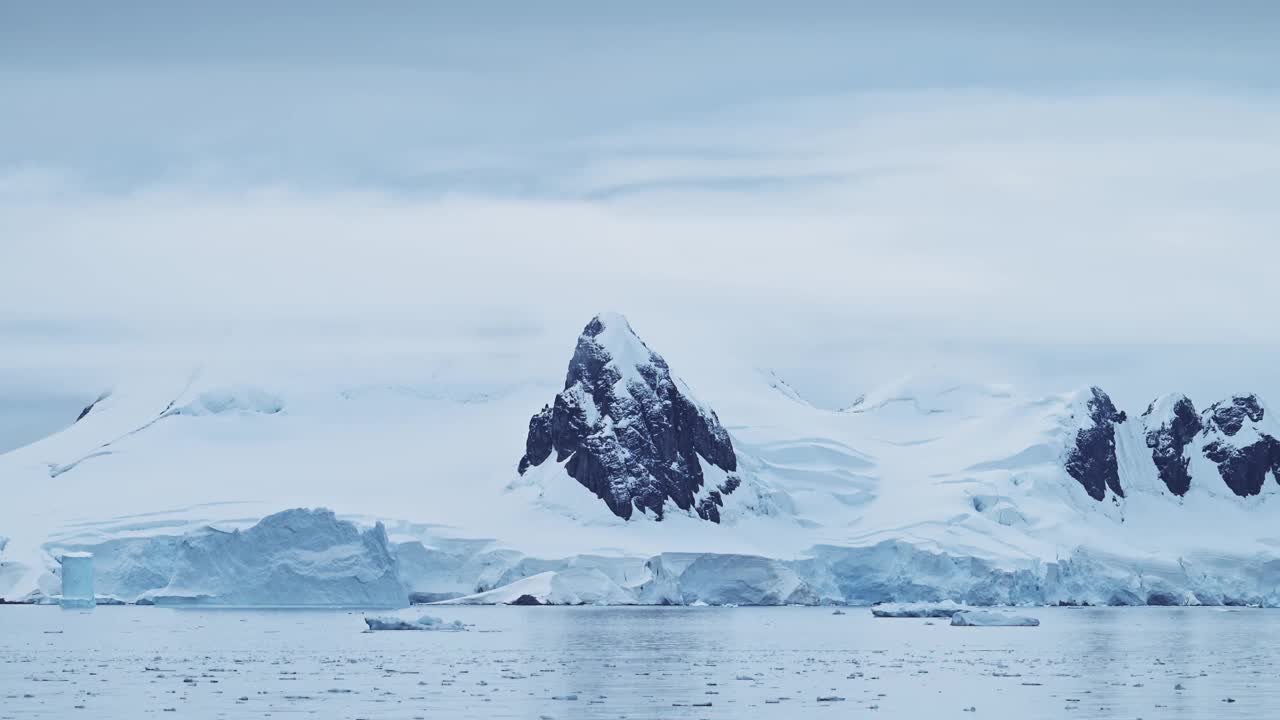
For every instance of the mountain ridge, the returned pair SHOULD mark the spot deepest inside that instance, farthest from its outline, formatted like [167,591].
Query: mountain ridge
[947,488]
[629,430]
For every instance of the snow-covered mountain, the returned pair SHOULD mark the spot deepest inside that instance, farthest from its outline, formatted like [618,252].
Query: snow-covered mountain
[1232,445]
[633,489]
[1092,458]
[630,431]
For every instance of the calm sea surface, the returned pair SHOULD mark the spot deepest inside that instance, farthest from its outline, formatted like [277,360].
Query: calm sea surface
[136,662]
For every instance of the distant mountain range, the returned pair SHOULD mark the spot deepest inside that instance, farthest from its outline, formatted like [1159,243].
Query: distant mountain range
[632,487]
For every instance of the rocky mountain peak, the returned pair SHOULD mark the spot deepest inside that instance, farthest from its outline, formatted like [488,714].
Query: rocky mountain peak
[1172,423]
[630,431]
[1230,415]
[1091,459]
[1242,442]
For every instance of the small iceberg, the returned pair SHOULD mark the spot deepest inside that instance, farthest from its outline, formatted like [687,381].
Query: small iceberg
[426,622]
[944,609]
[77,580]
[982,618]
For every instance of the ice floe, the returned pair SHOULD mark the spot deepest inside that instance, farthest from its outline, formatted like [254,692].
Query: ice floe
[987,618]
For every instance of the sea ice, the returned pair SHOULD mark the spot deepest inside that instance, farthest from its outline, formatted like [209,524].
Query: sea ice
[944,609]
[983,618]
[426,622]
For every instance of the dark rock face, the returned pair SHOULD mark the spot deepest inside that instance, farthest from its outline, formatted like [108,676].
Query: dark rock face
[1243,468]
[1231,434]
[628,430]
[85,411]
[1092,462]
[89,408]
[1231,415]
[1169,440]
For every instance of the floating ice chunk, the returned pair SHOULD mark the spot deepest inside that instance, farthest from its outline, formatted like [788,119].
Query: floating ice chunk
[983,618]
[77,580]
[944,609]
[426,622]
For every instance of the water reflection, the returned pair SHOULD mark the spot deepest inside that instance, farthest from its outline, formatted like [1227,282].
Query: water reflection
[639,663]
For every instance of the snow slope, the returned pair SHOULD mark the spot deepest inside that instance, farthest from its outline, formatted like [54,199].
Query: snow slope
[928,489]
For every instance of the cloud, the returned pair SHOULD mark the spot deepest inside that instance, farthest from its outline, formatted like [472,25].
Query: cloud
[1091,218]
[846,198]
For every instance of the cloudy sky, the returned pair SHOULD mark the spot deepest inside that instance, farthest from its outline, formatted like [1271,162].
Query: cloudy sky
[843,192]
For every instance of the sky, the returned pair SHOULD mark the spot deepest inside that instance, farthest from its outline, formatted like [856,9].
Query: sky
[844,192]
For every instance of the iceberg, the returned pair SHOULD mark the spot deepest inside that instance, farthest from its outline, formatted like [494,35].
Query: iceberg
[426,622]
[77,580]
[984,618]
[943,609]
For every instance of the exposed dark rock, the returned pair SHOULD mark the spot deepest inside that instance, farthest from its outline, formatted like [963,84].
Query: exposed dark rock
[709,506]
[1231,415]
[88,408]
[1244,469]
[538,446]
[628,430]
[525,600]
[1092,461]
[1170,439]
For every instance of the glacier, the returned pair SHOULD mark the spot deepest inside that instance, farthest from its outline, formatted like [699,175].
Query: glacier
[193,487]
[297,557]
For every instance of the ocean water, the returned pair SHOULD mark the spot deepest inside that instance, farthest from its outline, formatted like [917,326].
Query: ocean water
[138,662]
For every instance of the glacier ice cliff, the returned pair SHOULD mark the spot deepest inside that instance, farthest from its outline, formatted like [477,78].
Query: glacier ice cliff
[292,558]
